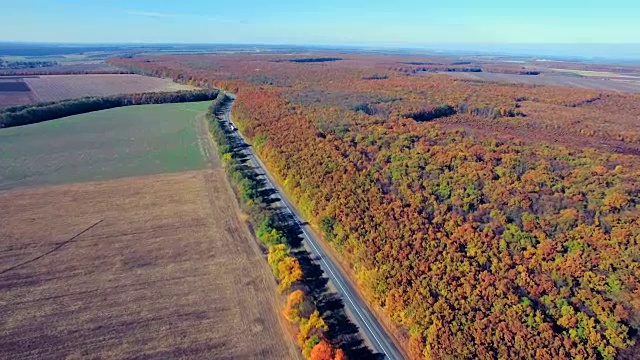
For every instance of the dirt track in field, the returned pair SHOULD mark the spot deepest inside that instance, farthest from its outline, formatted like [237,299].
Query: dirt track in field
[145,267]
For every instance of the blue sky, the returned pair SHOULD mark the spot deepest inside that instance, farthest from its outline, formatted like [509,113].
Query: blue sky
[357,22]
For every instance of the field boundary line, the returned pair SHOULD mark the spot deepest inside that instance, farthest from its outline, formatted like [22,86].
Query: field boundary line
[58,247]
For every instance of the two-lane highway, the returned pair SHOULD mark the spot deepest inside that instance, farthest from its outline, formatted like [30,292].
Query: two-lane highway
[371,329]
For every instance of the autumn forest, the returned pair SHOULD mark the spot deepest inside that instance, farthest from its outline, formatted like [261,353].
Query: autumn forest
[484,220]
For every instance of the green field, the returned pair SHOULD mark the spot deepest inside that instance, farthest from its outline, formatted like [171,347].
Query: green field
[57,58]
[128,141]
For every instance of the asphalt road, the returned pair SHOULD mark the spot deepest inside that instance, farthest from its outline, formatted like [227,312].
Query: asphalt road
[371,330]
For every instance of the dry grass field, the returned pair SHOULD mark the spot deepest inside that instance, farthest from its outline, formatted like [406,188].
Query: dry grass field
[157,266]
[60,87]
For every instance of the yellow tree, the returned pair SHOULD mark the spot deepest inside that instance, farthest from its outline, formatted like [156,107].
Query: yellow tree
[289,272]
[314,325]
[292,309]
[277,253]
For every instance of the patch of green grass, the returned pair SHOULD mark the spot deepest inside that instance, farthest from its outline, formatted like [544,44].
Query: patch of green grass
[128,141]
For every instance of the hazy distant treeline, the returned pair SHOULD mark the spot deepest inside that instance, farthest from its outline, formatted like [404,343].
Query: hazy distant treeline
[31,114]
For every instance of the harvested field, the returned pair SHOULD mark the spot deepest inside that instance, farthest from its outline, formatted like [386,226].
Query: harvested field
[24,90]
[13,98]
[69,67]
[143,267]
[60,87]
[631,85]
[591,73]
[135,140]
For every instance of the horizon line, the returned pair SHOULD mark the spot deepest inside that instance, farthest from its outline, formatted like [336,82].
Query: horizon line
[307,44]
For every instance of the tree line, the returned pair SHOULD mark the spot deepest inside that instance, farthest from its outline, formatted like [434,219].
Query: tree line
[271,231]
[25,64]
[31,114]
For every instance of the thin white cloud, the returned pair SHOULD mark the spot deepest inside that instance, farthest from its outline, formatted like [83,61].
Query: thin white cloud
[150,14]
[154,14]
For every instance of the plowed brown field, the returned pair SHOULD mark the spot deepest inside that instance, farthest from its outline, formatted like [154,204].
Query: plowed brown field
[154,266]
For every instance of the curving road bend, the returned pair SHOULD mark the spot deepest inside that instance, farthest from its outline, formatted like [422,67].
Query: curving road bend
[372,331]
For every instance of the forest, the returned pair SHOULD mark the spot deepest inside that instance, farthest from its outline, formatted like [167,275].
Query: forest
[25,64]
[486,220]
